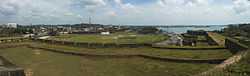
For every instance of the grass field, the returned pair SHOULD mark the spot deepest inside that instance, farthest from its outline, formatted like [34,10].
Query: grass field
[113,38]
[218,38]
[43,63]
[201,37]
[197,54]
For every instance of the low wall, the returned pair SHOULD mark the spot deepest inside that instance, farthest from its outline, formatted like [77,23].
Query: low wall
[12,45]
[234,46]
[244,42]
[12,72]
[210,40]
[9,40]
[92,45]
[9,69]
[180,60]
[190,48]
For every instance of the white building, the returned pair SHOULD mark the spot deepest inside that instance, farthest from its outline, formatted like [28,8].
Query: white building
[105,33]
[12,25]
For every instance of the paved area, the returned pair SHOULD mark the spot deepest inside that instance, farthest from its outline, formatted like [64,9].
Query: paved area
[175,39]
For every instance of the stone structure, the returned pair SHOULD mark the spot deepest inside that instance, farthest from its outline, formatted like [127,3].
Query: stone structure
[234,46]
[9,69]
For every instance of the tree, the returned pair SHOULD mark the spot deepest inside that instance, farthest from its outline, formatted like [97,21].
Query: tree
[148,30]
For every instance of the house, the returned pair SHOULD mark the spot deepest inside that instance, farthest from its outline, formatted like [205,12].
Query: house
[28,35]
[105,33]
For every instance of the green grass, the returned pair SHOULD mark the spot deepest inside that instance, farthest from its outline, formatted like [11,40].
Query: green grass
[197,54]
[218,38]
[54,64]
[113,38]
[241,68]
[45,64]
[201,37]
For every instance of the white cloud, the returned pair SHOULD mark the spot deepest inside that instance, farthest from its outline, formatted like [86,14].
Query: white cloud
[112,13]
[89,4]
[124,12]
[127,7]
[241,6]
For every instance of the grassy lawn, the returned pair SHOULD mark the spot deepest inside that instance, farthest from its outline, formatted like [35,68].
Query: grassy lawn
[113,38]
[218,38]
[201,37]
[197,54]
[44,63]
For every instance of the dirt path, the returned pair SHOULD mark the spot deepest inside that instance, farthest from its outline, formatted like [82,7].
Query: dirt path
[28,72]
[234,59]
[174,39]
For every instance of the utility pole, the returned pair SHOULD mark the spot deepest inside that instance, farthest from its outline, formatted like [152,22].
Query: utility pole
[89,20]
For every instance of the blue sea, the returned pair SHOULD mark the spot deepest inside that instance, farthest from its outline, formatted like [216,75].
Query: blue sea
[179,30]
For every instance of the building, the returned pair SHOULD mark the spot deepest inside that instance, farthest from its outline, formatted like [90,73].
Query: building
[12,25]
[105,33]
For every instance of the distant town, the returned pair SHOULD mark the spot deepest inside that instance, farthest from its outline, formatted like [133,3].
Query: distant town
[39,30]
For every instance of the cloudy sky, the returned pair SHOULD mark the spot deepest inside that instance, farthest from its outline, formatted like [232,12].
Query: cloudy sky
[125,11]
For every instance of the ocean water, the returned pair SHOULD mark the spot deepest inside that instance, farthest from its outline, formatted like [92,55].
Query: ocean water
[180,30]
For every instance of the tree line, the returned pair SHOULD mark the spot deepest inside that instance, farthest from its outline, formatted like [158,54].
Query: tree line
[237,30]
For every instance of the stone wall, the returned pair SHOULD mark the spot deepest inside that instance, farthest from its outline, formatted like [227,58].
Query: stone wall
[234,46]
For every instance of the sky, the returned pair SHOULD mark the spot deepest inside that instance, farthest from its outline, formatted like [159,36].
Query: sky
[128,12]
